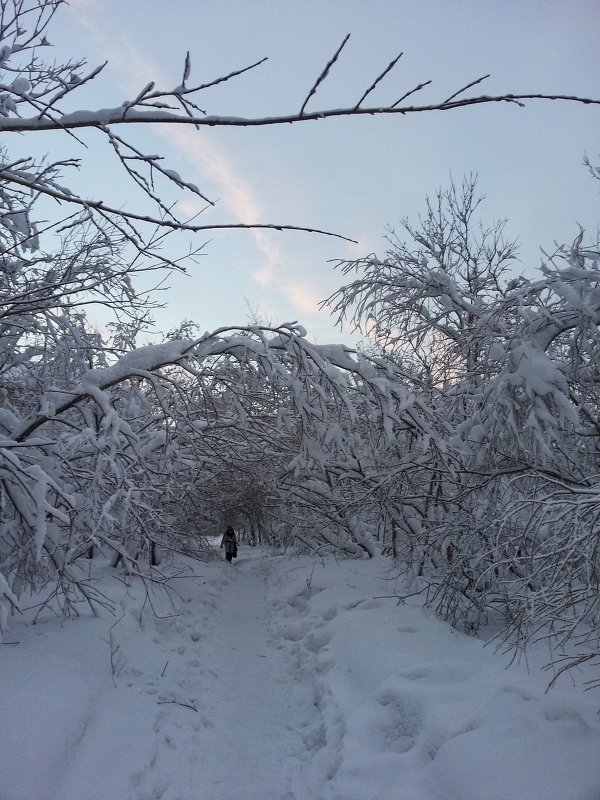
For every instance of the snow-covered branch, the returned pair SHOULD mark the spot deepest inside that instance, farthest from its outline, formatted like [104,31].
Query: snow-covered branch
[35,97]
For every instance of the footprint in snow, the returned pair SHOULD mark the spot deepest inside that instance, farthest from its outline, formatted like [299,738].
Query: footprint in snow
[522,694]
[133,672]
[562,714]
[370,605]
[295,633]
[401,721]
[407,629]
[316,640]
[437,673]
[435,741]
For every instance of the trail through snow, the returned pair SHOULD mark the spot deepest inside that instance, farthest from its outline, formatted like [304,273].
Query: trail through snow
[253,731]
[281,678]
[223,724]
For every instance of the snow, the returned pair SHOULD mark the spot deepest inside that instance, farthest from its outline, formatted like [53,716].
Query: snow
[142,359]
[281,678]
[21,85]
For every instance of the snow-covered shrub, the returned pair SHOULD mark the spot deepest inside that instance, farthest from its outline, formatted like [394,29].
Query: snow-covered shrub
[498,513]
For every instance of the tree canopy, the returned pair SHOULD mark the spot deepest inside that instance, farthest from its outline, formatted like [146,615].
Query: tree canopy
[462,440]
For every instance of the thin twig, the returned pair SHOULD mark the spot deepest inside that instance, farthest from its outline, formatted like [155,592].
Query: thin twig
[412,91]
[177,703]
[468,86]
[224,78]
[379,78]
[323,75]
[104,210]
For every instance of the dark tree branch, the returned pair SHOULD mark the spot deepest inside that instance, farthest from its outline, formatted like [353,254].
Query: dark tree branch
[121,116]
[130,216]
[468,86]
[378,80]
[323,75]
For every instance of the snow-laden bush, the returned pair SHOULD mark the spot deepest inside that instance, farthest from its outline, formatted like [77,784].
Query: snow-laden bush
[504,520]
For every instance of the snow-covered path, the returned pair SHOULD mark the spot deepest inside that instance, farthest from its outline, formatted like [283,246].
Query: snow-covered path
[220,722]
[252,731]
[281,678]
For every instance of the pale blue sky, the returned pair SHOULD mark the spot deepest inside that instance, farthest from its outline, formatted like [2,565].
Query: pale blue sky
[354,176]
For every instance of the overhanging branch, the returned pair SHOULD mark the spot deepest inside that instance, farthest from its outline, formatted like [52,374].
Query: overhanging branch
[129,116]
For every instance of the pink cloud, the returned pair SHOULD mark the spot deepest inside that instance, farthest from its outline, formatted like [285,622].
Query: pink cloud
[207,161]
[302,296]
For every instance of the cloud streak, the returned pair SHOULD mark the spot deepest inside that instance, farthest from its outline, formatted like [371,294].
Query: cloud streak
[206,159]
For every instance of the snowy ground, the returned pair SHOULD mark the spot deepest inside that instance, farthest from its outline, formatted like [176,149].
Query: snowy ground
[282,678]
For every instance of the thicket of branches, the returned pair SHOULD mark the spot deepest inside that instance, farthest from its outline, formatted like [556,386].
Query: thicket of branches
[506,524]
[463,441]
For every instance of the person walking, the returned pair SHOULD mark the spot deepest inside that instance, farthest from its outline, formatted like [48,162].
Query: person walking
[229,542]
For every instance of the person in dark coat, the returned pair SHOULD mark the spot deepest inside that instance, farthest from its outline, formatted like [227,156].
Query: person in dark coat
[229,542]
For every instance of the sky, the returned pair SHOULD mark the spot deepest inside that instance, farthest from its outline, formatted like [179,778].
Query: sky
[351,176]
